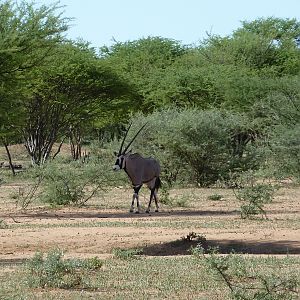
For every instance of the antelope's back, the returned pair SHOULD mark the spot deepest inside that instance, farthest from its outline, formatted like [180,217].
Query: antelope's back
[145,169]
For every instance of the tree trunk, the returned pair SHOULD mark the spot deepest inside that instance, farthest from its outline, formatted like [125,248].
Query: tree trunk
[9,158]
[75,142]
[42,129]
[59,148]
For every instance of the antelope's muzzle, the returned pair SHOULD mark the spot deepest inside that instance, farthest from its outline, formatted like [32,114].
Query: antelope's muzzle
[116,168]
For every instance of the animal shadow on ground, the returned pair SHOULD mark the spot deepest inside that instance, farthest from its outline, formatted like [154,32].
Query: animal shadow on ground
[184,245]
[60,214]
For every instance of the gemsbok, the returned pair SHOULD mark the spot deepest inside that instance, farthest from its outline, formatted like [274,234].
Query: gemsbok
[140,170]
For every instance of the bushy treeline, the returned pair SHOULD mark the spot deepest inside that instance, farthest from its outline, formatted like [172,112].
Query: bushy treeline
[206,145]
[226,105]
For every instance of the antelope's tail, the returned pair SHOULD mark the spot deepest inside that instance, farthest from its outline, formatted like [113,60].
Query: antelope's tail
[157,183]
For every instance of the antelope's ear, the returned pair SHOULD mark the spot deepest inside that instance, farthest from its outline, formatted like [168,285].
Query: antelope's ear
[115,153]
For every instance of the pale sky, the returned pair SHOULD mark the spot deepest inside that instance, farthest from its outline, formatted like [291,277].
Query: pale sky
[101,21]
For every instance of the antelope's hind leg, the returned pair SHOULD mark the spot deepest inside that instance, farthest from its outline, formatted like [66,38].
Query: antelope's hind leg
[149,204]
[156,200]
[151,186]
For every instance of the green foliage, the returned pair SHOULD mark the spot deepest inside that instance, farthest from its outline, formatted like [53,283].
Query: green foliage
[164,195]
[281,38]
[28,35]
[54,272]
[200,146]
[126,254]
[72,183]
[243,279]
[143,63]
[74,92]
[64,185]
[285,152]
[255,196]
[234,71]
[247,85]
[3,224]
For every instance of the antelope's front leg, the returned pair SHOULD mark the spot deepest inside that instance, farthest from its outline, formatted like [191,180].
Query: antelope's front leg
[136,196]
[132,203]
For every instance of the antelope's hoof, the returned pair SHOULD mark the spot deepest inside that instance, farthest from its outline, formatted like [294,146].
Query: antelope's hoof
[131,210]
[156,210]
[147,211]
[137,212]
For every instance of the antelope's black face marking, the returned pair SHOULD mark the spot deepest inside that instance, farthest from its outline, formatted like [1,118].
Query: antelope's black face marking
[119,163]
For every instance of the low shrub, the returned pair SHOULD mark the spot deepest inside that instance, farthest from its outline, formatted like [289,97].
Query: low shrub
[253,194]
[54,272]
[245,281]
[73,182]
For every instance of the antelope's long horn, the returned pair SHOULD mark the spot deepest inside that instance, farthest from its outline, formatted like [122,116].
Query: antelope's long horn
[134,138]
[120,151]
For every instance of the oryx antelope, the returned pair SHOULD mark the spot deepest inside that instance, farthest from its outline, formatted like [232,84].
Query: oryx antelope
[140,171]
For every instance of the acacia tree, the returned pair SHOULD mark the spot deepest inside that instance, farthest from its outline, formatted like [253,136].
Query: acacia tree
[28,34]
[73,90]
[143,63]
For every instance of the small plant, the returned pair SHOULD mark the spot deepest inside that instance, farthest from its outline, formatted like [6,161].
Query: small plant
[255,197]
[3,224]
[55,272]
[215,197]
[93,263]
[164,195]
[126,254]
[70,184]
[27,194]
[181,201]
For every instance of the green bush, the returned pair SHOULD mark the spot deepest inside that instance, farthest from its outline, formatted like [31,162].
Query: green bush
[254,198]
[197,146]
[73,182]
[54,272]
[285,151]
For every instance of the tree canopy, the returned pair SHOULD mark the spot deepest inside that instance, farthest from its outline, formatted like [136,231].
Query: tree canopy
[53,87]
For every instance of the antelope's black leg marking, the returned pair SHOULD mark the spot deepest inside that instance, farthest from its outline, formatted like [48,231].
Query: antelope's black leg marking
[151,196]
[156,202]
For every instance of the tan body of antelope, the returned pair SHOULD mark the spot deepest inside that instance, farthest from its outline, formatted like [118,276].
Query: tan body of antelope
[140,171]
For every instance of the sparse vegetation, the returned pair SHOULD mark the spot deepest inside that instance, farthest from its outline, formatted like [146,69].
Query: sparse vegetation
[253,195]
[126,254]
[53,271]
[255,198]
[245,280]
[167,277]
[3,224]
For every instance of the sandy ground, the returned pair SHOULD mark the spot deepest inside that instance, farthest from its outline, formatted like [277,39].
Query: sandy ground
[96,230]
